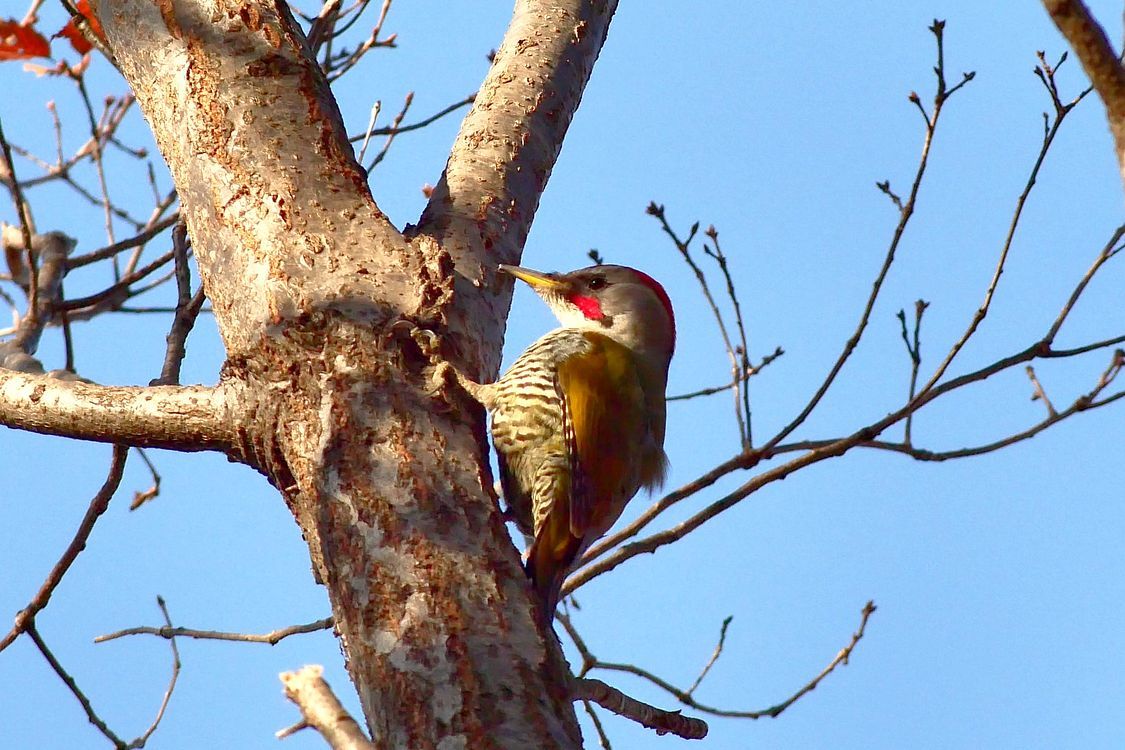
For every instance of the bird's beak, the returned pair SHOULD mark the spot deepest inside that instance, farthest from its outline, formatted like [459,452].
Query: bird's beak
[540,282]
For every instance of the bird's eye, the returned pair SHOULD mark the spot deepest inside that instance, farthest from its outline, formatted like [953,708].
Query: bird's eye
[596,283]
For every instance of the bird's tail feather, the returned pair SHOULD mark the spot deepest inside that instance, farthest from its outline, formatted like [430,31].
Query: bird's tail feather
[548,561]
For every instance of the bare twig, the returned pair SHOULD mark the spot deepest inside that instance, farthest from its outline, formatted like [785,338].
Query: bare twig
[714,655]
[841,658]
[140,741]
[1109,250]
[749,373]
[187,311]
[272,638]
[135,241]
[26,616]
[322,710]
[743,350]
[664,722]
[142,497]
[772,712]
[375,109]
[335,68]
[394,130]
[69,681]
[914,351]
[27,227]
[1101,63]
[603,738]
[905,213]
[96,154]
[1039,394]
[397,130]
[1047,75]
[736,362]
[120,290]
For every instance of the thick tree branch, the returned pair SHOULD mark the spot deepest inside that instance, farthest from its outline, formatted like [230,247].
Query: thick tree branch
[483,206]
[189,418]
[510,139]
[280,216]
[322,710]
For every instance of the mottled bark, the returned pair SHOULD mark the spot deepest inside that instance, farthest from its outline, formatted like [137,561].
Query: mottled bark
[190,418]
[482,208]
[319,301]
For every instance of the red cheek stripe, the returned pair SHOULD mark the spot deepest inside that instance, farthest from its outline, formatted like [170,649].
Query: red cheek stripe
[589,306]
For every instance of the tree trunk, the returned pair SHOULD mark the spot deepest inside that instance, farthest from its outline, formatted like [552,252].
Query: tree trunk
[320,302]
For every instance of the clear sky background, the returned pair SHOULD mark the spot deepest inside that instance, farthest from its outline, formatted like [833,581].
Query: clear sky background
[999,581]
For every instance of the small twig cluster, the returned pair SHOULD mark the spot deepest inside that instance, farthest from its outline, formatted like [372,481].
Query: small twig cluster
[628,542]
[663,721]
[738,351]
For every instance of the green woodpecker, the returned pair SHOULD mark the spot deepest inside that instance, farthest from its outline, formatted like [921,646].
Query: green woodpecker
[578,420]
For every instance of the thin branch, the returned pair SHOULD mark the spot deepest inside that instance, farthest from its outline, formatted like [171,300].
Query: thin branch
[1101,63]
[1040,394]
[26,616]
[841,659]
[137,240]
[272,638]
[1046,74]
[27,227]
[603,738]
[914,351]
[322,710]
[142,497]
[141,740]
[651,717]
[714,655]
[907,211]
[187,311]
[334,70]
[393,130]
[683,246]
[749,373]
[69,681]
[375,109]
[1109,250]
[120,289]
[772,712]
[743,350]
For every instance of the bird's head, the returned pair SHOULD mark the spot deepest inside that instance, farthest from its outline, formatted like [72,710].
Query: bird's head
[621,302]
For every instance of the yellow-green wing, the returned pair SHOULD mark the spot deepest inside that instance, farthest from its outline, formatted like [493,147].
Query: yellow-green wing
[604,421]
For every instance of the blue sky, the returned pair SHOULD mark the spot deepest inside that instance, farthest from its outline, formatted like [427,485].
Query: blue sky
[1000,580]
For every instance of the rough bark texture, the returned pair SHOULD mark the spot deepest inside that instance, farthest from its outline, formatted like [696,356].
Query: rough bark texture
[482,208]
[317,298]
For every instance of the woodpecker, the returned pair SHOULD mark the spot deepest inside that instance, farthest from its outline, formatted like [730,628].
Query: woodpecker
[578,420]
